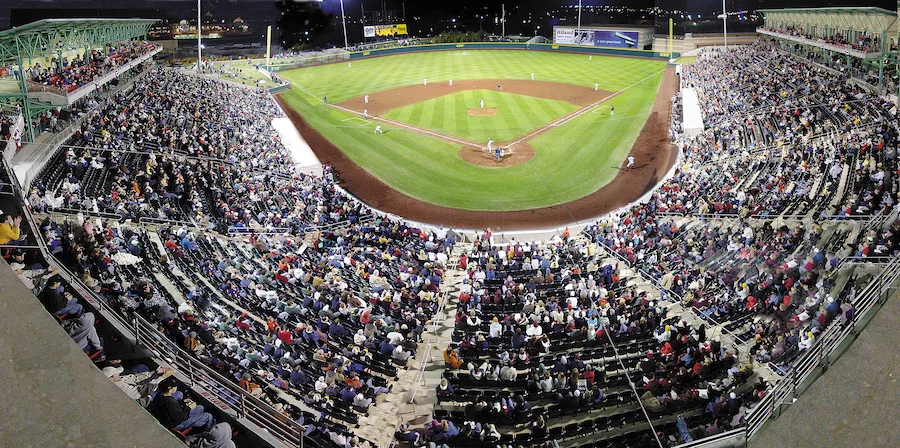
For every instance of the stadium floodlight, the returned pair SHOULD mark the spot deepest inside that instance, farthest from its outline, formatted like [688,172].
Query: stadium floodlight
[579,14]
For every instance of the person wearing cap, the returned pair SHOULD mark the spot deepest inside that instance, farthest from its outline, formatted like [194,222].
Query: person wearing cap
[138,386]
[405,434]
[192,343]
[33,278]
[178,415]
[60,302]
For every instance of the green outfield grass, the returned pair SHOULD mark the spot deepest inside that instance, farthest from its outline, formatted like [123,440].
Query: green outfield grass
[571,161]
[247,73]
[518,114]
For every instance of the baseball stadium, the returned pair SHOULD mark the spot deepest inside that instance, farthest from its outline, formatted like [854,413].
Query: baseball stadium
[548,224]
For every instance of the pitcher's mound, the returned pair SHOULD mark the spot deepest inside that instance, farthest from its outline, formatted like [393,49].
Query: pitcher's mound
[486,112]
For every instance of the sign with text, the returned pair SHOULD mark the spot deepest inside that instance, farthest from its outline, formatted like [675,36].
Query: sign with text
[619,39]
[564,36]
[398,29]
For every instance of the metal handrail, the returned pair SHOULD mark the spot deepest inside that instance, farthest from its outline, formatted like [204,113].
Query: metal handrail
[825,345]
[202,376]
[82,211]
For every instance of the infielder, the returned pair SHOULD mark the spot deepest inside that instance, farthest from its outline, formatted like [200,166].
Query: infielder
[490,142]
[366,99]
[612,110]
[596,87]
[482,104]
[630,162]
[451,83]
[532,76]
[378,129]
[366,113]
[425,82]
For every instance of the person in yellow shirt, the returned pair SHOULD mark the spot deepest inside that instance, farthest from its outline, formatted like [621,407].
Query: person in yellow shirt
[9,229]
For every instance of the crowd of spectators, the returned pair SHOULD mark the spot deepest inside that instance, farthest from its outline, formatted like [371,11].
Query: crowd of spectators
[533,357]
[186,148]
[546,333]
[863,43]
[788,139]
[70,74]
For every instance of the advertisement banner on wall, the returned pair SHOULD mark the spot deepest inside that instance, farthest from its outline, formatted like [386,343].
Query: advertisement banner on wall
[385,30]
[584,37]
[618,39]
[390,30]
[565,36]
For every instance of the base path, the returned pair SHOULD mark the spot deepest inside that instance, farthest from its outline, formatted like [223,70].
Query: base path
[382,102]
[653,152]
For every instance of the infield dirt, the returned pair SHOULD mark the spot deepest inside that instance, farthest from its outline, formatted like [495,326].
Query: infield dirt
[653,152]
[386,100]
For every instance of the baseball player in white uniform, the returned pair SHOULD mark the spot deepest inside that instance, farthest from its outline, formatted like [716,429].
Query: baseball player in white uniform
[378,129]
[630,162]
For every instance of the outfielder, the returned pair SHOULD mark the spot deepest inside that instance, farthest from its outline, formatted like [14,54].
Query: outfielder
[612,110]
[482,104]
[378,129]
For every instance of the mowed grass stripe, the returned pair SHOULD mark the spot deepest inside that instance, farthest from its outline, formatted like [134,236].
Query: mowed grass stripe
[377,74]
[518,115]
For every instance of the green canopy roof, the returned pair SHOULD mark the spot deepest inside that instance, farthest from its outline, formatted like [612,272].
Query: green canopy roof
[47,36]
[835,10]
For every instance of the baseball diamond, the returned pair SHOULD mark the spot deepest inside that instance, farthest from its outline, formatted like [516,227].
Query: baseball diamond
[426,167]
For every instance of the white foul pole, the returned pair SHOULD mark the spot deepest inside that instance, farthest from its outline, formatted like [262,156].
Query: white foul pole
[344,21]
[268,45]
[199,46]
[503,19]
[579,14]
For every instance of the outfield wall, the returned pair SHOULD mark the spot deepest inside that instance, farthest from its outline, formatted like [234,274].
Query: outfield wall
[602,51]
[516,46]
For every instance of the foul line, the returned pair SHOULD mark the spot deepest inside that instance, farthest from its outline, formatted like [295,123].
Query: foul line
[556,123]
[580,112]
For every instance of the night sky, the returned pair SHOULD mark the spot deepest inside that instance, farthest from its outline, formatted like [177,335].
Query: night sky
[293,16]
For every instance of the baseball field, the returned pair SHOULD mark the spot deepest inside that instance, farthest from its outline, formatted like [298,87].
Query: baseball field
[551,113]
